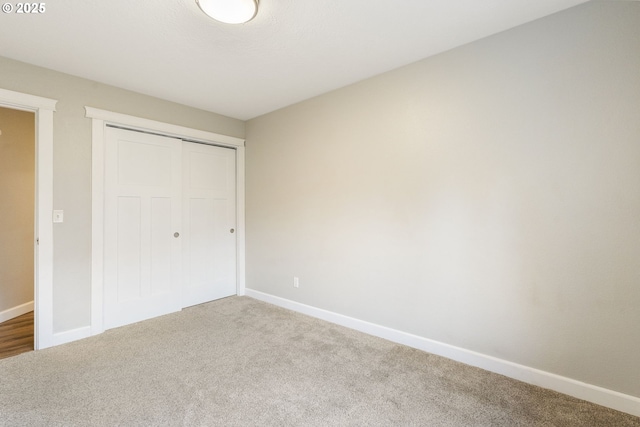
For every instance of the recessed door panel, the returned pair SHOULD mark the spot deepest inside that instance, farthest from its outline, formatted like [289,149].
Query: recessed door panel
[162,240]
[130,171]
[202,239]
[129,251]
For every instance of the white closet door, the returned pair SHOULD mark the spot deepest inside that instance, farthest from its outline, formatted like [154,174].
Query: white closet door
[209,222]
[142,213]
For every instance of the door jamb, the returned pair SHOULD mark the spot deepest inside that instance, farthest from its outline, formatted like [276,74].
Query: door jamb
[99,120]
[43,244]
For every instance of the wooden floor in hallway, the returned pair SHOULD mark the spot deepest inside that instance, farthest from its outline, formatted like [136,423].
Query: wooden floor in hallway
[16,335]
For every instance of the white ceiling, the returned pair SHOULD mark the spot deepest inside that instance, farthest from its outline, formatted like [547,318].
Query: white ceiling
[292,50]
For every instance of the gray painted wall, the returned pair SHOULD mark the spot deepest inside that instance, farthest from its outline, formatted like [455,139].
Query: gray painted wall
[72,168]
[17,199]
[486,198]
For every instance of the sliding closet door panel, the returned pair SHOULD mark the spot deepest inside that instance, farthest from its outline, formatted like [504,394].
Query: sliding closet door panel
[209,220]
[142,212]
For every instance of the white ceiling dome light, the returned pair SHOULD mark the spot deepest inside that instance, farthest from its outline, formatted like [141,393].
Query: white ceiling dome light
[230,11]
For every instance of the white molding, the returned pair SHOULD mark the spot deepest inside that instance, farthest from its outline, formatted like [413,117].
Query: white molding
[24,101]
[97,225]
[161,127]
[13,312]
[599,395]
[43,252]
[43,295]
[100,118]
[72,335]
[240,214]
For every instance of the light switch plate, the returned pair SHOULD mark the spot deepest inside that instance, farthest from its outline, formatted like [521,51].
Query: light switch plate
[58,216]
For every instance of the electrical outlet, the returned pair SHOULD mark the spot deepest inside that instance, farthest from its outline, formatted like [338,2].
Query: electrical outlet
[296,282]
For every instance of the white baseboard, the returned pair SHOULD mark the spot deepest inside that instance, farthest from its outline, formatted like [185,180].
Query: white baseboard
[16,311]
[72,335]
[591,393]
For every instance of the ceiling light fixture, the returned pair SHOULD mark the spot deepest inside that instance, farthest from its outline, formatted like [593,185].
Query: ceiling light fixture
[230,11]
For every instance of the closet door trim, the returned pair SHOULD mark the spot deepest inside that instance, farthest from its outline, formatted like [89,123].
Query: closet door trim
[100,119]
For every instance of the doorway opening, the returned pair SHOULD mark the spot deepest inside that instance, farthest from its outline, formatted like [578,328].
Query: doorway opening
[42,110]
[17,231]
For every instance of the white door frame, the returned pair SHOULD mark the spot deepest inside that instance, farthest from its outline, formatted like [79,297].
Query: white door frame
[43,253]
[100,119]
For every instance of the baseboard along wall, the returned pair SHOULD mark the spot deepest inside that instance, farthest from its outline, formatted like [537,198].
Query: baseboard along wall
[591,393]
[16,311]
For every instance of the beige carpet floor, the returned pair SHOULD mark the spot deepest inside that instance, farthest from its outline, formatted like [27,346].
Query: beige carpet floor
[241,362]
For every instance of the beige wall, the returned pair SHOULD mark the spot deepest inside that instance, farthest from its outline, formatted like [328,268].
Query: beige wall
[488,197]
[17,198]
[72,168]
